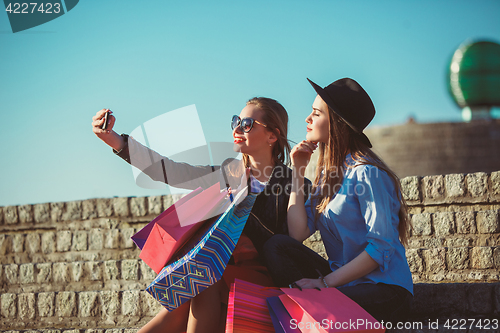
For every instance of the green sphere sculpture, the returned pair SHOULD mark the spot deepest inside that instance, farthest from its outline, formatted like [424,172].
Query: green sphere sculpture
[474,77]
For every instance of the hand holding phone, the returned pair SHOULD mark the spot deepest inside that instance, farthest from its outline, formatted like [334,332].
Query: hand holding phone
[105,124]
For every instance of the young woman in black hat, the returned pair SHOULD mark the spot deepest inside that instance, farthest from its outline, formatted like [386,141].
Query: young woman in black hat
[260,134]
[355,203]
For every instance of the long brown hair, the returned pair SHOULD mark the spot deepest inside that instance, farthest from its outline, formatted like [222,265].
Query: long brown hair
[276,119]
[331,163]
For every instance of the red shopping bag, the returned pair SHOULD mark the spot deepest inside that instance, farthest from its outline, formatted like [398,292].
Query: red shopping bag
[328,310]
[247,310]
[170,231]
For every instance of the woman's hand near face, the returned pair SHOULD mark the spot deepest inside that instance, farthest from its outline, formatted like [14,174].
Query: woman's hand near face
[301,154]
[110,137]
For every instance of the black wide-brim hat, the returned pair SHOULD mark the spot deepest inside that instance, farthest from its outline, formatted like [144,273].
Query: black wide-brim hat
[350,102]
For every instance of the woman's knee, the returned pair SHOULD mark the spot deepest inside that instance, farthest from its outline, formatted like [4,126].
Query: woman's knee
[276,242]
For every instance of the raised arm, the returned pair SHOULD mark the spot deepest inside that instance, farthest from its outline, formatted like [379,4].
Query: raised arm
[296,215]
[157,167]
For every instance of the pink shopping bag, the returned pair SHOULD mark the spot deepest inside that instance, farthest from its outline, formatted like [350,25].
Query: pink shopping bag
[172,230]
[328,310]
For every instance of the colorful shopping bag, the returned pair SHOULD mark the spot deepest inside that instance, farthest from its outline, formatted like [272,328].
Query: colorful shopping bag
[247,310]
[170,232]
[202,260]
[327,310]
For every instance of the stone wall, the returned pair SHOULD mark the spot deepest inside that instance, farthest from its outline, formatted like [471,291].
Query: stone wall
[71,266]
[438,148]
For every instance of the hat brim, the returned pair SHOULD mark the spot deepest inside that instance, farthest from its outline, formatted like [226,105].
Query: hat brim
[321,92]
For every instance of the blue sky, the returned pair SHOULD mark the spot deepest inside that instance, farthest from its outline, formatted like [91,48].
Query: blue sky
[142,59]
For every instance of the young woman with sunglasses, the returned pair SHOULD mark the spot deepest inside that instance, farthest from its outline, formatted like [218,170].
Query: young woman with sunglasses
[260,134]
[356,204]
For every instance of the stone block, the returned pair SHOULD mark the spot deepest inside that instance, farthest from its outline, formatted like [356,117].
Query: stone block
[8,304]
[126,240]
[432,243]
[155,206]
[5,244]
[41,213]
[89,209]
[495,183]
[48,242]
[130,269]
[112,270]
[113,330]
[94,331]
[415,260]
[444,223]
[46,304]
[94,270]
[435,260]
[496,258]
[73,211]
[458,242]
[131,303]
[26,306]
[477,184]
[113,239]
[11,273]
[79,240]
[56,211]
[10,215]
[147,272]
[131,330]
[77,271]
[17,243]
[65,304]
[89,304]
[64,240]
[455,185]
[111,305]
[487,222]
[480,298]
[149,305]
[33,243]
[421,224]
[138,206]
[96,239]
[167,201]
[1,215]
[25,213]
[482,257]
[26,273]
[458,258]
[466,223]
[104,207]
[410,189]
[60,272]
[120,206]
[43,273]
[433,187]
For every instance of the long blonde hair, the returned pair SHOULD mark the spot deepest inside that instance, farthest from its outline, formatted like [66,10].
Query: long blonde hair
[331,163]
[276,119]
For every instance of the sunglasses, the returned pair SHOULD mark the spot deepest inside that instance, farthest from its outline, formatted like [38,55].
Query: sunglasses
[246,124]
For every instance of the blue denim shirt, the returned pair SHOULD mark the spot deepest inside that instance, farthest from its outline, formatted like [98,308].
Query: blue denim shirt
[363,216]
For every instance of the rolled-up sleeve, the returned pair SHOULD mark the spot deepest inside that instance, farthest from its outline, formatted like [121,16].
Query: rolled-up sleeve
[310,217]
[379,207]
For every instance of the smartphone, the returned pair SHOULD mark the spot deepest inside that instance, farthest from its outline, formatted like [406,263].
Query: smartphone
[105,120]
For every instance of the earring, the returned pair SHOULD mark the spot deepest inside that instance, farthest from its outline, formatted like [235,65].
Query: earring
[270,145]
